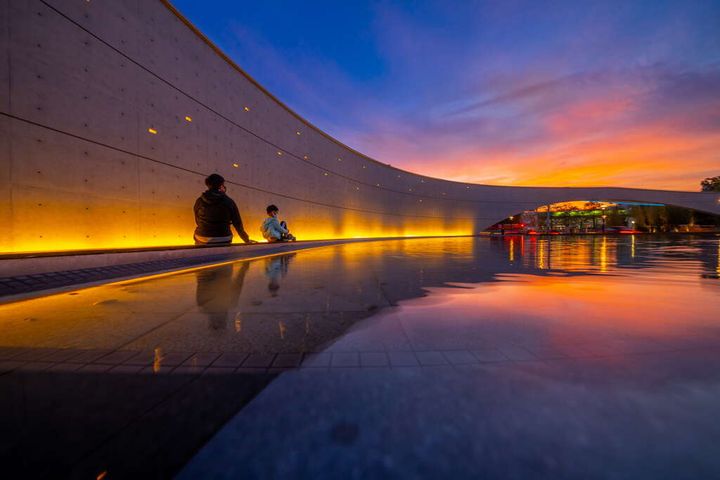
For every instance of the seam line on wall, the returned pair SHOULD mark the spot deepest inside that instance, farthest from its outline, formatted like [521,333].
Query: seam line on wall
[160,162]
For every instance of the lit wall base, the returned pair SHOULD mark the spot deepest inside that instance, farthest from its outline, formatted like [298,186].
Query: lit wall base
[118,110]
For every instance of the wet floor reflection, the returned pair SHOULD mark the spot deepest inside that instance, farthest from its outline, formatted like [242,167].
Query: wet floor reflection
[128,360]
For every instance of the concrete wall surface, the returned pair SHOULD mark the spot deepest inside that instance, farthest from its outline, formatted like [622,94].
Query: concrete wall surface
[113,111]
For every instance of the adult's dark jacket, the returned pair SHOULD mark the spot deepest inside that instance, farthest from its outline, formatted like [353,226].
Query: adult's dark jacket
[214,212]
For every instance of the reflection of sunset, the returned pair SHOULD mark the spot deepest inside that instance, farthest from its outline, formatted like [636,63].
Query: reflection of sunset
[560,286]
[568,308]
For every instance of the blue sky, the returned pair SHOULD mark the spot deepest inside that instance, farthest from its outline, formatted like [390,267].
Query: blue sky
[502,92]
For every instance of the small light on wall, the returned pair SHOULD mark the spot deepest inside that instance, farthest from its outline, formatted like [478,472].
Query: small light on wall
[339,159]
[422,181]
[409,189]
[420,200]
[468,186]
[188,118]
[152,130]
[247,109]
[279,153]
[235,165]
[357,188]
[377,184]
[326,173]
[305,157]
[364,166]
[297,133]
[398,176]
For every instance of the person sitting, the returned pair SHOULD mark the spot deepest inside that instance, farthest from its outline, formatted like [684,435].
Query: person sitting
[274,230]
[214,212]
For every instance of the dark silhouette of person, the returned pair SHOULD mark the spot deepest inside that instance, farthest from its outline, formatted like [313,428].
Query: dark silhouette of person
[275,269]
[218,291]
[214,212]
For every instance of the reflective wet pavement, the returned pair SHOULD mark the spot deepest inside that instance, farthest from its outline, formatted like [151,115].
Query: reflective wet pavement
[570,357]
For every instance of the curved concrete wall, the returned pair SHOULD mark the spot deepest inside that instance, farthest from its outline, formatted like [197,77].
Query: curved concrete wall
[113,111]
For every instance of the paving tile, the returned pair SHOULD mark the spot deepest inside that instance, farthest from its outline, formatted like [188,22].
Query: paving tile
[8,353]
[374,359]
[187,370]
[317,360]
[251,371]
[94,368]
[35,366]
[35,354]
[61,355]
[343,359]
[64,367]
[489,355]
[142,358]
[156,370]
[173,359]
[287,360]
[516,353]
[258,360]
[201,359]
[460,357]
[8,366]
[403,359]
[117,357]
[219,371]
[88,356]
[127,369]
[230,359]
[278,370]
[431,358]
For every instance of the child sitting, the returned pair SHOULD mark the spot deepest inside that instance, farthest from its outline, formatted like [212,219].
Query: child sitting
[274,230]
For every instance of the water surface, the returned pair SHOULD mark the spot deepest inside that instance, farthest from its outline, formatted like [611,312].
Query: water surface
[576,357]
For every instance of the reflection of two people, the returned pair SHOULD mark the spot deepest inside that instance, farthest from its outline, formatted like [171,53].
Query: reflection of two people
[218,289]
[218,292]
[276,268]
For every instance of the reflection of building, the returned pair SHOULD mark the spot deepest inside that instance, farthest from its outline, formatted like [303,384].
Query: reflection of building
[608,217]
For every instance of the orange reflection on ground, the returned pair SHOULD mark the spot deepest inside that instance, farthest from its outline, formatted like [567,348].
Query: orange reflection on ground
[563,308]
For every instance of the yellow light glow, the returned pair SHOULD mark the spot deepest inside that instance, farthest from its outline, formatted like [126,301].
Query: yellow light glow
[188,118]
[235,165]
[279,153]
[603,255]
[247,109]
[153,131]
[325,173]
[297,133]
[157,360]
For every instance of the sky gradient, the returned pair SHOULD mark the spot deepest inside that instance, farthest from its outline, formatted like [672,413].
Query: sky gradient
[504,92]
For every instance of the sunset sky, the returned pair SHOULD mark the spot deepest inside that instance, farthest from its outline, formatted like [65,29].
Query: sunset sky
[505,92]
